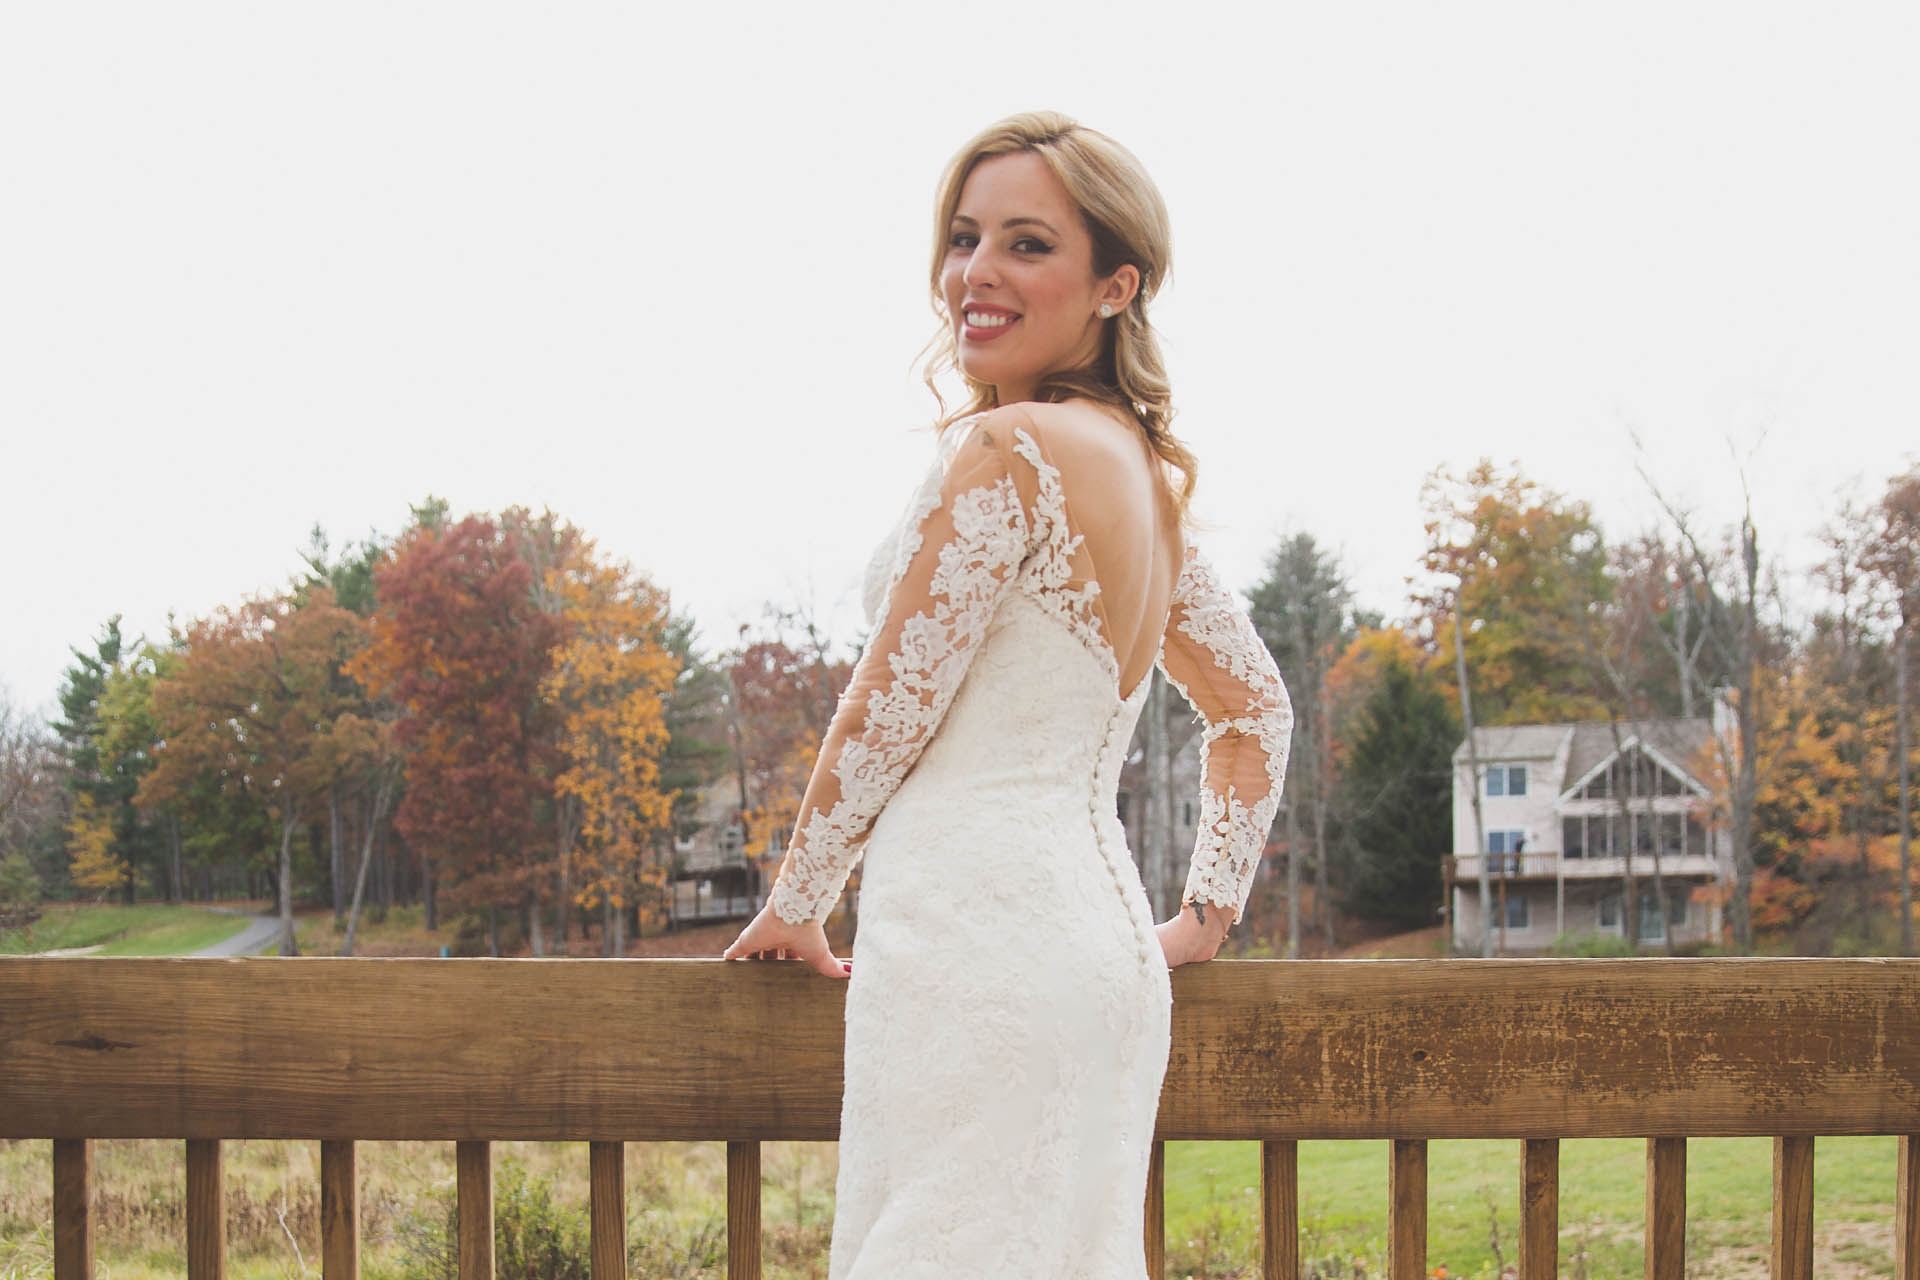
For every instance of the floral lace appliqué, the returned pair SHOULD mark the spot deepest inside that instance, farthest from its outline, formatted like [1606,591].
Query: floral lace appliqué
[1233,828]
[991,536]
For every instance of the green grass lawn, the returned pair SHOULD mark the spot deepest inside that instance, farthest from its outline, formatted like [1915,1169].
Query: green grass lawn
[1473,1206]
[149,929]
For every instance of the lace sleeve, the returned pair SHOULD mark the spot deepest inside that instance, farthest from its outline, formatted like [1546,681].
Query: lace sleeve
[1213,655]
[969,543]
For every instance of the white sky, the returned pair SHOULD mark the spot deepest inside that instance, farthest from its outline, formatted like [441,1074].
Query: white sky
[661,268]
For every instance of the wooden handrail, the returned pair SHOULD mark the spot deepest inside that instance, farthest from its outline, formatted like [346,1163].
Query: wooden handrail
[611,1051]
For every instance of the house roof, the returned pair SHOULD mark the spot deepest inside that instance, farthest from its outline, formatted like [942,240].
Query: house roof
[1679,741]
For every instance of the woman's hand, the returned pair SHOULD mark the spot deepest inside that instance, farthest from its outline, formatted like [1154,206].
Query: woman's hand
[768,937]
[1185,940]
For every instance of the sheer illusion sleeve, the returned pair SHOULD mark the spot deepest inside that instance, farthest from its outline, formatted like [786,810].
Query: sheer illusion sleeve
[963,556]
[1213,655]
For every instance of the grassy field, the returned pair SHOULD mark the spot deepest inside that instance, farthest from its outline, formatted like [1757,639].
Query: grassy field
[676,1198]
[148,929]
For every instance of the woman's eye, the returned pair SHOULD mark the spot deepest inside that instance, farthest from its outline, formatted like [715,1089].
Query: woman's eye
[1027,244]
[962,240]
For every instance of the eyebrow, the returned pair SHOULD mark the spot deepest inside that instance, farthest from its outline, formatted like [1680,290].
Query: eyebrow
[1010,223]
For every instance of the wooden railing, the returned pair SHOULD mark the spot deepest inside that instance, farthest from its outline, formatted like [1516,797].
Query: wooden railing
[1548,863]
[614,1051]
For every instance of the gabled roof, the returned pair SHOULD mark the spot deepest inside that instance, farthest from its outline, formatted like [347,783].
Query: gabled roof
[1678,741]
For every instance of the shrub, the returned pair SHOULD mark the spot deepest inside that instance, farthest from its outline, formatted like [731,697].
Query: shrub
[533,1238]
[1592,946]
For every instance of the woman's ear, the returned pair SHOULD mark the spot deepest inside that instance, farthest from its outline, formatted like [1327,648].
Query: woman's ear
[1118,289]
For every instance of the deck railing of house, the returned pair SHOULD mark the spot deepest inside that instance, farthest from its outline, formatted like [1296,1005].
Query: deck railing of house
[1548,863]
[612,1051]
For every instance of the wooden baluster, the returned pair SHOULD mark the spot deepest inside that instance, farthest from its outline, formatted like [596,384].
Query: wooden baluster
[72,1210]
[1906,1210]
[206,1211]
[743,1211]
[1539,1209]
[1407,1210]
[1280,1210]
[474,1163]
[1666,1208]
[1154,1216]
[607,1177]
[1793,1209]
[339,1213]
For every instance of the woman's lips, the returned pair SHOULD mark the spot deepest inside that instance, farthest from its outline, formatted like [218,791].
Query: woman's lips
[1001,322]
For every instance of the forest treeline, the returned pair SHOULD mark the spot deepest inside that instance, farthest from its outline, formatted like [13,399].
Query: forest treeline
[494,717]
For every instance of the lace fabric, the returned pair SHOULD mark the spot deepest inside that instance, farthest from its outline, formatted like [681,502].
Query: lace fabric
[994,515]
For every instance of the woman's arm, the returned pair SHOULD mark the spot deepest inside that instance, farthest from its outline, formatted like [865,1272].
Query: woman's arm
[970,543]
[1214,656]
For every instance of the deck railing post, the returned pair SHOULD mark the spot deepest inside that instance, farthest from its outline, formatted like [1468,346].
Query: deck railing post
[72,1209]
[1280,1210]
[743,1211]
[1906,1210]
[1539,1209]
[1153,1217]
[339,1212]
[1793,1209]
[1666,1209]
[474,1179]
[206,1211]
[607,1191]
[1407,1210]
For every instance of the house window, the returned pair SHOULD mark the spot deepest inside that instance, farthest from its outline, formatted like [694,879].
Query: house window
[1507,780]
[1608,910]
[1506,841]
[1186,813]
[1573,837]
[1516,911]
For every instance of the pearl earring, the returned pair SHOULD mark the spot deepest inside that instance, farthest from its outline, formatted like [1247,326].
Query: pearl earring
[1106,310]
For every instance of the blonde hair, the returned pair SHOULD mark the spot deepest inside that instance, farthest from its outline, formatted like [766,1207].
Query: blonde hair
[1127,221]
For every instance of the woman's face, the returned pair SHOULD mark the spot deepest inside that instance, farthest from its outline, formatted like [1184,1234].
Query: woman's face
[1018,279]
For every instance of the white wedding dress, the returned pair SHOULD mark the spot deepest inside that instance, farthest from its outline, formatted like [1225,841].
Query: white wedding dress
[1007,1017]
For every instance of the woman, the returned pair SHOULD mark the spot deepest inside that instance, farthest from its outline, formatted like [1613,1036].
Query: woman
[1006,1034]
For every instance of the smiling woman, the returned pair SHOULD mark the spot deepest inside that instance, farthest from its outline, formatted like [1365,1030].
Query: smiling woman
[1007,1030]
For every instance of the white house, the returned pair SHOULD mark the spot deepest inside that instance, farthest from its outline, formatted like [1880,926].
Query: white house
[1568,813]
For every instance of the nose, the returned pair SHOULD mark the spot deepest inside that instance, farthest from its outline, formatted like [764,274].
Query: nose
[982,267]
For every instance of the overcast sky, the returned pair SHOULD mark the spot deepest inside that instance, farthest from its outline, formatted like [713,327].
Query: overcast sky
[662,269]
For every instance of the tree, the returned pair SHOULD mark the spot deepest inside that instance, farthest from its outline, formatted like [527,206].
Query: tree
[33,811]
[1302,611]
[1526,570]
[459,646]
[610,676]
[1892,557]
[255,702]
[1396,792]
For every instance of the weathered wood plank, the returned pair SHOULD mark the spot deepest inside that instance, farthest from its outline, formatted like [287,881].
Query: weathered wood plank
[743,1211]
[1407,1210]
[1539,1209]
[1280,1210]
[339,1212]
[1793,1209]
[473,1172]
[1666,1209]
[72,1209]
[206,1210]
[174,1048]
[1906,1210]
[607,1191]
[1153,1215]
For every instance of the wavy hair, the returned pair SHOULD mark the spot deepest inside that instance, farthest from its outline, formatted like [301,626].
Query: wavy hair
[1127,221]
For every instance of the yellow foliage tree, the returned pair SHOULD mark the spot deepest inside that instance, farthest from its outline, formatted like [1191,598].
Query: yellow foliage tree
[91,847]
[610,678]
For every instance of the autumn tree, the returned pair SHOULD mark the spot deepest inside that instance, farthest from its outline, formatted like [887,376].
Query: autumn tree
[1891,557]
[108,840]
[33,805]
[609,679]
[460,646]
[255,702]
[1525,570]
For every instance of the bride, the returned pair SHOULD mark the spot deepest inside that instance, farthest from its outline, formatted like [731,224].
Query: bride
[1007,1031]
